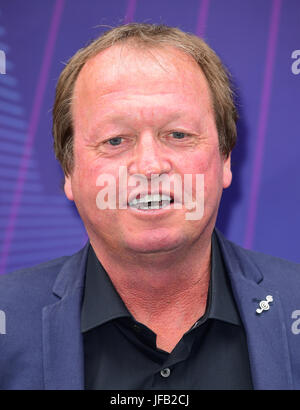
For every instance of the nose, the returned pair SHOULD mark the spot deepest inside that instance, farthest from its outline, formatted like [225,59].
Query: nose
[149,157]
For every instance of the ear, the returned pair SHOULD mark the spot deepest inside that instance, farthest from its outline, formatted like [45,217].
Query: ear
[68,188]
[227,175]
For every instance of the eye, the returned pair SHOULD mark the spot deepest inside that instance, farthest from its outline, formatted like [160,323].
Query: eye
[178,135]
[115,141]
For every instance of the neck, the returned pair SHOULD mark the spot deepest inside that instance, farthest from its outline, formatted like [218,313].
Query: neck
[163,287]
[158,273]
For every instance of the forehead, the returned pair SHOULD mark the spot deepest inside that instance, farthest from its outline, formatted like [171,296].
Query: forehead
[126,66]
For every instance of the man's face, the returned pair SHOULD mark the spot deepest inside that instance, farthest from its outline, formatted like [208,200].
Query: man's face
[151,112]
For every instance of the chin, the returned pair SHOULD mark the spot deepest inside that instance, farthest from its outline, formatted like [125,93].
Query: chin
[155,241]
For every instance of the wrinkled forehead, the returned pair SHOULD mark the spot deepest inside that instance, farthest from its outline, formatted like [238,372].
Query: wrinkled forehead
[131,64]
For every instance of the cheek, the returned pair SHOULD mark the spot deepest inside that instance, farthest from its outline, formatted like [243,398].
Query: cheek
[212,169]
[94,181]
[196,163]
[84,183]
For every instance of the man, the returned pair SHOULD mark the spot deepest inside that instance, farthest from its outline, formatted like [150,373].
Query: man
[158,298]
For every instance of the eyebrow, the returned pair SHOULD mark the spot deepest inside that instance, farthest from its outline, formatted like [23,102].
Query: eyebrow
[124,121]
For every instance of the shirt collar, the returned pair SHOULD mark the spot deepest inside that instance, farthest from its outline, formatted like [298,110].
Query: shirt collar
[102,303]
[221,304]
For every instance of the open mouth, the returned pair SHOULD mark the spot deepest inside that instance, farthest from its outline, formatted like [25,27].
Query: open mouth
[156,201]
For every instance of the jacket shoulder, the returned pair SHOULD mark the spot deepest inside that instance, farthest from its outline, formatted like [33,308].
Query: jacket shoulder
[271,267]
[30,284]
[265,260]
[25,297]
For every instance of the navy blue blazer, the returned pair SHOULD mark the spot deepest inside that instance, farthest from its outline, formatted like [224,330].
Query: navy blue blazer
[41,343]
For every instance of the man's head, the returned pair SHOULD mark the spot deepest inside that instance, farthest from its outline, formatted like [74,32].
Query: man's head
[146,36]
[139,99]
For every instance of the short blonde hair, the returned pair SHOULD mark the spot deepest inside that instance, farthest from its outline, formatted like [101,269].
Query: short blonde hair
[150,35]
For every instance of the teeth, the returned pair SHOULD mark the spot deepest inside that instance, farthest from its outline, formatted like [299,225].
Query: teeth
[150,198]
[155,201]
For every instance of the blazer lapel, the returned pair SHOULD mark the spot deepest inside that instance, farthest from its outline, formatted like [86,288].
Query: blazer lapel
[62,340]
[266,332]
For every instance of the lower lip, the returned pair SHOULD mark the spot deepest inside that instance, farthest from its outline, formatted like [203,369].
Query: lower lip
[152,212]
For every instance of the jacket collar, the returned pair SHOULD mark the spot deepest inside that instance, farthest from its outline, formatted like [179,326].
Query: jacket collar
[72,273]
[266,332]
[62,340]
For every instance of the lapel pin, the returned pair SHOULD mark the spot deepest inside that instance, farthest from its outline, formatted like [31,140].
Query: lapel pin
[264,304]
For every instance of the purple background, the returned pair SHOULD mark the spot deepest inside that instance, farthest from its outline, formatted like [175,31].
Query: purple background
[254,38]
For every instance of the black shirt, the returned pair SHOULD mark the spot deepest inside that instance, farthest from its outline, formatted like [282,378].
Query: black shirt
[120,353]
